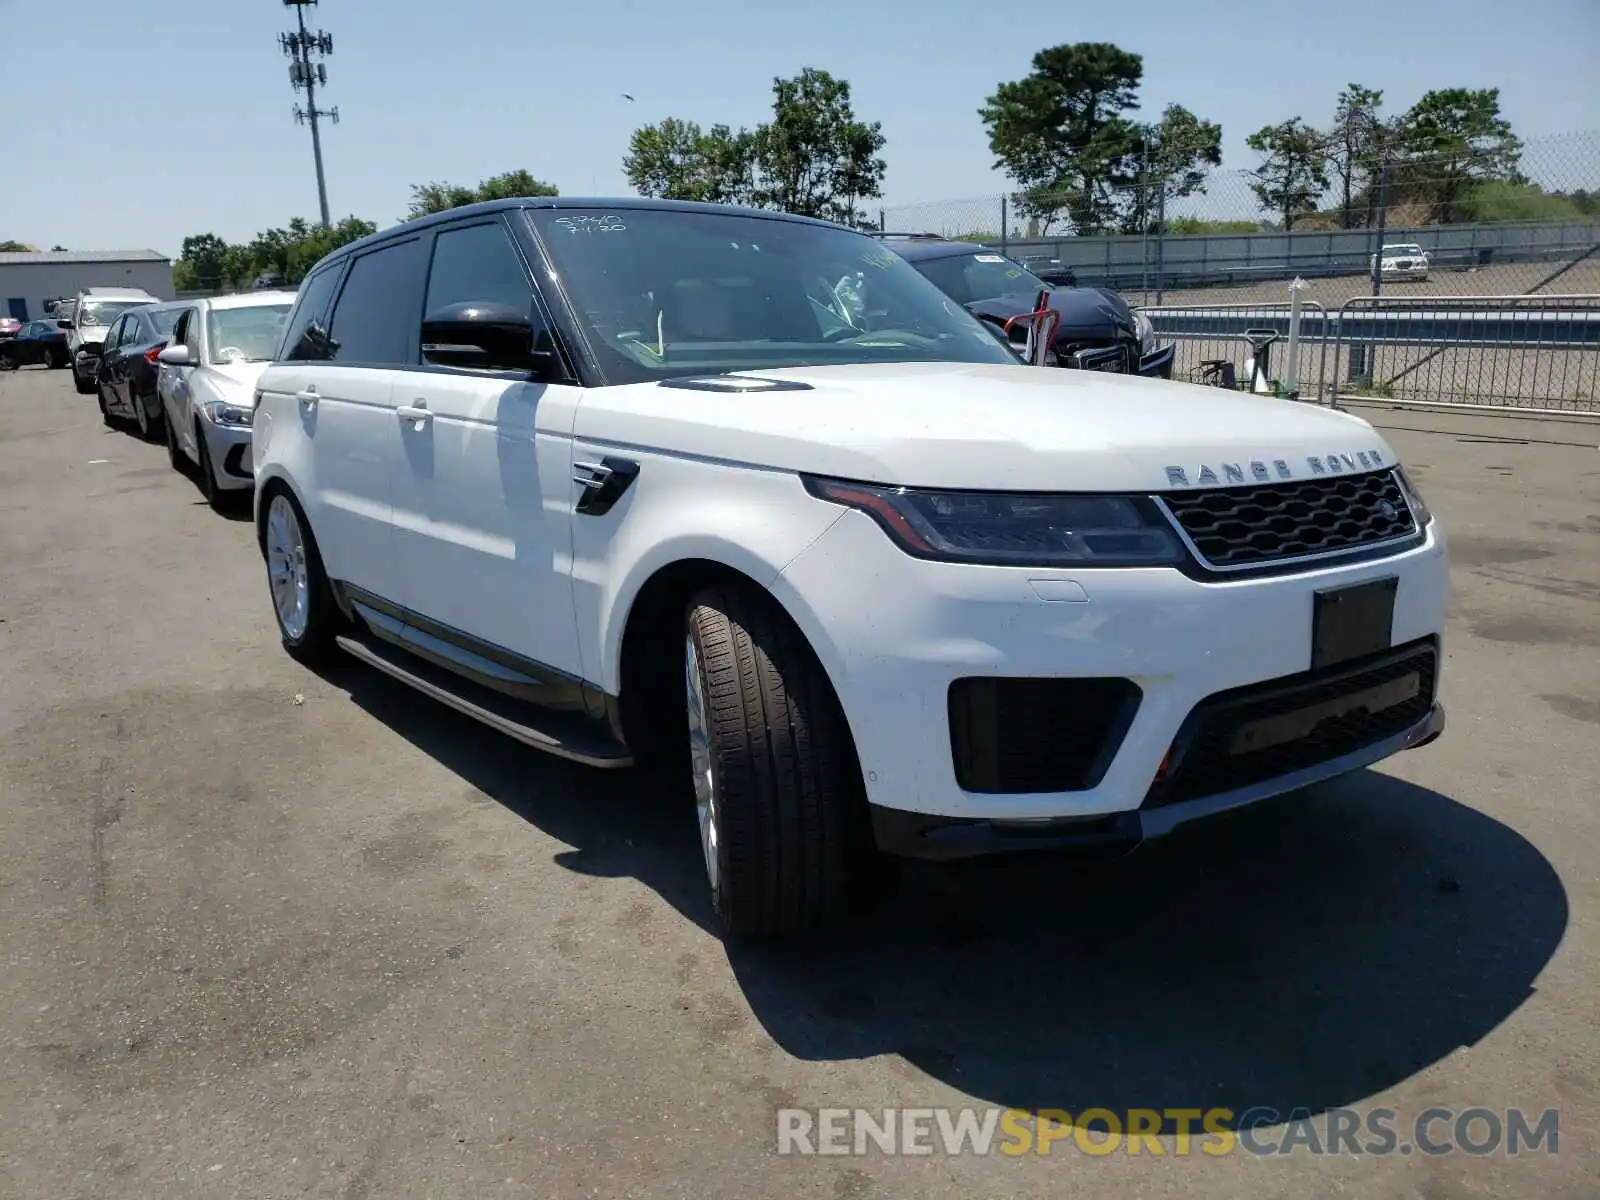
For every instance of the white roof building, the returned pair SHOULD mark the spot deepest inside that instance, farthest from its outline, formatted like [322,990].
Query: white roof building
[30,277]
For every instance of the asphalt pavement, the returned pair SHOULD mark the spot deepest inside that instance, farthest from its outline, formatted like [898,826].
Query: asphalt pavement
[268,933]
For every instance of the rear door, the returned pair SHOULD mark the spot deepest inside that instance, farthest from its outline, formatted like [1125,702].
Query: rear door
[350,413]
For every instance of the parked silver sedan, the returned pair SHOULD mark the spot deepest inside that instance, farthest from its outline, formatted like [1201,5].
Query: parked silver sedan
[207,385]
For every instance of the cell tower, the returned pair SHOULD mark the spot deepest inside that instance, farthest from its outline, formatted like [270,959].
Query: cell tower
[305,50]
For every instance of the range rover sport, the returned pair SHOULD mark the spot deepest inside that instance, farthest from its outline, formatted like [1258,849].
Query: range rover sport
[631,479]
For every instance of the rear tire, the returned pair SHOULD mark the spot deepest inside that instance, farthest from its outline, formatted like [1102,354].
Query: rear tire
[302,601]
[777,783]
[141,416]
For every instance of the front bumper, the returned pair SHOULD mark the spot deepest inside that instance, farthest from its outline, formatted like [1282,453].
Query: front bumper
[1158,363]
[230,453]
[895,633]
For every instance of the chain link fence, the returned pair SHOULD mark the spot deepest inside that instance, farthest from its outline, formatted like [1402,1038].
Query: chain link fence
[1535,232]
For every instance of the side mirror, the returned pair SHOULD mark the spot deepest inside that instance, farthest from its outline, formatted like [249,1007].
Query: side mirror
[176,356]
[480,334]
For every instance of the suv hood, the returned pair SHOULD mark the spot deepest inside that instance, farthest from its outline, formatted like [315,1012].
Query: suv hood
[1085,312]
[957,425]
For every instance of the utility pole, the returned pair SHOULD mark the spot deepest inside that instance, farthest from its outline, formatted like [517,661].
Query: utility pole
[305,50]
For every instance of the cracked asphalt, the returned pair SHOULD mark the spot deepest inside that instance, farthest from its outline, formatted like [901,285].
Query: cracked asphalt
[267,933]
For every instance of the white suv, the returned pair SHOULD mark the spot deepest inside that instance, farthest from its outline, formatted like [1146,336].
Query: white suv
[627,478]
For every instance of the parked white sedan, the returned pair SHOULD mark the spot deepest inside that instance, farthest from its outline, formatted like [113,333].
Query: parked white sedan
[207,385]
[1403,260]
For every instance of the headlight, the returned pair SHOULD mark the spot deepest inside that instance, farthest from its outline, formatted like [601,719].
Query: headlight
[227,414]
[1146,332]
[1419,506]
[1011,528]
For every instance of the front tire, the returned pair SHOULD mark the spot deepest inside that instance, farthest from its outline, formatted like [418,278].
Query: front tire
[302,602]
[105,410]
[174,454]
[207,469]
[84,387]
[777,785]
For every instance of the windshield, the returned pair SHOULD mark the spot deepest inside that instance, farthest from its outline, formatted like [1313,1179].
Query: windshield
[969,277]
[663,293]
[1416,250]
[103,312]
[245,334]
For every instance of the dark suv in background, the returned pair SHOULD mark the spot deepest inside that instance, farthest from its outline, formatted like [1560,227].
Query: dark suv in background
[1098,331]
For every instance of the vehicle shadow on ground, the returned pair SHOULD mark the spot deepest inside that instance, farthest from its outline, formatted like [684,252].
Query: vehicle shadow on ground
[1304,954]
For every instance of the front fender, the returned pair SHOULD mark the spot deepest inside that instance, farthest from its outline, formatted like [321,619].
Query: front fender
[751,521]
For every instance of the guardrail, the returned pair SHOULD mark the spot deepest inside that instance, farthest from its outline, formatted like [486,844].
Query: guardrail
[1529,354]
[1216,331]
[1525,354]
[1196,260]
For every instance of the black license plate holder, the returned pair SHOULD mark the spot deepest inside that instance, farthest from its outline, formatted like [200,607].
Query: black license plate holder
[1350,622]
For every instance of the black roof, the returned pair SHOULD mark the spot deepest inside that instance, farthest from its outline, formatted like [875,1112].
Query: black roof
[614,203]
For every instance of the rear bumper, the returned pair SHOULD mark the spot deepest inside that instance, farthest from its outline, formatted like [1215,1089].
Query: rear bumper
[954,839]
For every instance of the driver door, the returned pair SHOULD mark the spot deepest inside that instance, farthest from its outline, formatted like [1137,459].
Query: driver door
[173,384]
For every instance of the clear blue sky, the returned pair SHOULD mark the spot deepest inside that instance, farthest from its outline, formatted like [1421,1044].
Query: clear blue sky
[134,125]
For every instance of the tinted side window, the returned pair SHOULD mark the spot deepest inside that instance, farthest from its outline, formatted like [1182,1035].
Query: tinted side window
[376,317]
[477,263]
[306,336]
[114,334]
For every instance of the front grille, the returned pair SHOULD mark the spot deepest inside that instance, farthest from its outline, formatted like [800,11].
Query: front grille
[1207,757]
[1111,359]
[1242,527]
[1037,735]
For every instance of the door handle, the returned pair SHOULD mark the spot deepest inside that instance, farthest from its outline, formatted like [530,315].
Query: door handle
[416,413]
[307,397]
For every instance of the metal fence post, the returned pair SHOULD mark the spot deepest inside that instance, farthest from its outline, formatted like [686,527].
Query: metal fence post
[1161,239]
[1004,232]
[1291,361]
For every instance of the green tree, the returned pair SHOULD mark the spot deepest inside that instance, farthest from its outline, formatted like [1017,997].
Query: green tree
[9,247]
[1355,147]
[814,158]
[1293,172]
[1452,140]
[678,160]
[1061,134]
[1174,156]
[208,263]
[204,262]
[439,197]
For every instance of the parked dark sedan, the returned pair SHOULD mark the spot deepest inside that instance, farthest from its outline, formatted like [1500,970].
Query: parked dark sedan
[1097,330]
[42,342]
[129,363]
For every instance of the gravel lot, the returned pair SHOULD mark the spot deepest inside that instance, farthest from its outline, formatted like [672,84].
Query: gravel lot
[272,934]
